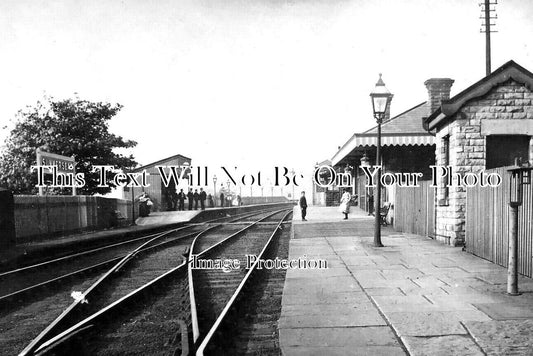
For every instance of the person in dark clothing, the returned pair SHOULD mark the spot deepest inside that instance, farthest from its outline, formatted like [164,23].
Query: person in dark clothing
[303,206]
[222,201]
[371,204]
[203,197]
[190,197]
[174,199]
[181,200]
[210,201]
[196,198]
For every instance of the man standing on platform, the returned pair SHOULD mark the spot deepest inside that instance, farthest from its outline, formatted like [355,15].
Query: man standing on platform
[196,197]
[303,206]
[181,200]
[222,201]
[203,197]
[190,197]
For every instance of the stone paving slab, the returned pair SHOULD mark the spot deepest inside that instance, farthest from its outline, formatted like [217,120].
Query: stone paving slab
[425,323]
[344,350]
[505,311]
[317,273]
[510,337]
[301,286]
[338,337]
[448,345]
[345,315]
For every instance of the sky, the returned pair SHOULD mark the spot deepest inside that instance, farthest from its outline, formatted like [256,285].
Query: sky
[247,83]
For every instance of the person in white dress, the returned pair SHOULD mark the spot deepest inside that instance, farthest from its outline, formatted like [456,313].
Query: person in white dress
[345,204]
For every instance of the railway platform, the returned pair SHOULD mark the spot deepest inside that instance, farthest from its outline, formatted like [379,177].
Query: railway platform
[414,296]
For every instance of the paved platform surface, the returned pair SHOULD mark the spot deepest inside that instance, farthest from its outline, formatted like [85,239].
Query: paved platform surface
[167,217]
[414,296]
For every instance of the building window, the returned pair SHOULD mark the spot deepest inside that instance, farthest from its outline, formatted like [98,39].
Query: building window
[501,150]
[445,154]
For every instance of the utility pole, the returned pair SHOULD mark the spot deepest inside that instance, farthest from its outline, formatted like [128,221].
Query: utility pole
[488,14]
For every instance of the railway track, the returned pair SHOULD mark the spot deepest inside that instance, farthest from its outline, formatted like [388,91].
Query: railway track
[251,324]
[214,292]
[17,284]
[159,270]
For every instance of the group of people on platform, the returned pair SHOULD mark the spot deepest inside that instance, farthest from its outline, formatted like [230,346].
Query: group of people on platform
[176,200]
[228,200]
[196,200]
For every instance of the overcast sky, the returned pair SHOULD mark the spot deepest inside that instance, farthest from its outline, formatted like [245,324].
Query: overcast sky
[252,83]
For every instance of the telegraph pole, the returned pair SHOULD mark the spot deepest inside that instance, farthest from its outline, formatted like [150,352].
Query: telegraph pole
[487,15]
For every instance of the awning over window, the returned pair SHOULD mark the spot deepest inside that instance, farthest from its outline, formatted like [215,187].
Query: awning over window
[394,141]
[363,141]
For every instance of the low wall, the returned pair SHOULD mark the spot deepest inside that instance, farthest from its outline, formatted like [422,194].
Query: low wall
[41,217]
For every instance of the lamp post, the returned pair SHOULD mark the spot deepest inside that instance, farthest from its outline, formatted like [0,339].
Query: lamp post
[215,189]
[364,163]
[381,98]
[520,176]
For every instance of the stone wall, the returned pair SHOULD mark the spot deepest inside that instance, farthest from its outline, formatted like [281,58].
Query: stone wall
[510,101]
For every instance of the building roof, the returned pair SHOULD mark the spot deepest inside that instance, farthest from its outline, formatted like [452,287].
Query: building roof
[401,130]
[410,122]
[508,71]
[162,161]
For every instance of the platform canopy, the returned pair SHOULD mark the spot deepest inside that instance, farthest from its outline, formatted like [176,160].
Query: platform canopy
[404,129]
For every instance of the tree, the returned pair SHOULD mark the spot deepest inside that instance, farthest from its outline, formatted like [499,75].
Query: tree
[71,127]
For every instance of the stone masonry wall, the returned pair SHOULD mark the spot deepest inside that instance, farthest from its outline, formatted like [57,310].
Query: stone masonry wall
[510,100]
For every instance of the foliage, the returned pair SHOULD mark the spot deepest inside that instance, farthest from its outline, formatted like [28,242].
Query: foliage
[71,127]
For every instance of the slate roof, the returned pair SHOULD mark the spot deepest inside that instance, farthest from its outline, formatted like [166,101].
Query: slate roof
[400,130]
[407,123]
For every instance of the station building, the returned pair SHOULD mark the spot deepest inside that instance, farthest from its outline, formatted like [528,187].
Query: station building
[156,189]
[485,126]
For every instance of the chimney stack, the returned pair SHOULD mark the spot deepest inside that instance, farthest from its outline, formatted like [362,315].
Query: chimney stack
[438,90]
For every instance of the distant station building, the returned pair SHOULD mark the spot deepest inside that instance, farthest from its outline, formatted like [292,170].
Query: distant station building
[485,126]
[157,191]
[320,193]
[406,148]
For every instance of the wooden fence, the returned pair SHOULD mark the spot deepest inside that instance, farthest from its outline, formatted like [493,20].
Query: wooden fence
[487,223]
[41,217]
[414,209]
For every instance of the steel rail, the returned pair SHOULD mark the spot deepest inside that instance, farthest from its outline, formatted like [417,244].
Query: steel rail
[52,326]
[64,335]
[86,269]
[40,339]
[194,312]
[231,301]
[85,323]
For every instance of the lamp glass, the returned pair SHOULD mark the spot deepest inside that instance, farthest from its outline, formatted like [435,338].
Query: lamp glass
[380,104]
[515,191]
